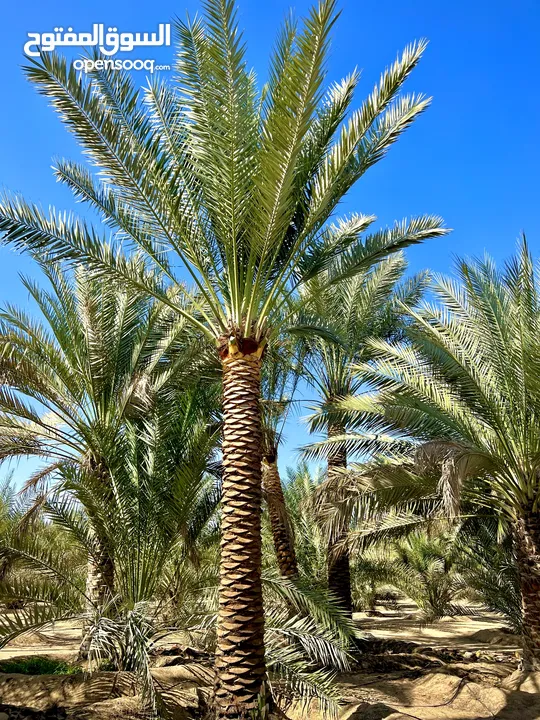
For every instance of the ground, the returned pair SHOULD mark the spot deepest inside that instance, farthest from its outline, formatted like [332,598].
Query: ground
[463,668]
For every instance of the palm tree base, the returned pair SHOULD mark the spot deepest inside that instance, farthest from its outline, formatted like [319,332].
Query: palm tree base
[527,536]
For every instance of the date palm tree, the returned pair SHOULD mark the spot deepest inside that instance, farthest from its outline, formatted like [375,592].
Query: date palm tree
[465,385]
[300,491]
[71,380]
[213,181]
[281,375]
[153,510]
[357,309]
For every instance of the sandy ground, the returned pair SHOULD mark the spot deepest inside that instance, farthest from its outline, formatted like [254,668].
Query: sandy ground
[476,678]
[480,632]
[483,681]
[465,632]
[59,641]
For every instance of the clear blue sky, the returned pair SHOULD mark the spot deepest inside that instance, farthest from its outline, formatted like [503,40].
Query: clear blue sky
[473,158]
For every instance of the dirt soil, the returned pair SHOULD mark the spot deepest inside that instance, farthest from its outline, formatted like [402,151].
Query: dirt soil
[463,668]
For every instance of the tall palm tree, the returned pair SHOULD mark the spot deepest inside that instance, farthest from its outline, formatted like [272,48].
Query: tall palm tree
[72,379]
[366,306]
[466,385]
[235,186]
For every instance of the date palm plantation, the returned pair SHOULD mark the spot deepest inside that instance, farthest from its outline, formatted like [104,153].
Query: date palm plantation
[214,182]
[466,386]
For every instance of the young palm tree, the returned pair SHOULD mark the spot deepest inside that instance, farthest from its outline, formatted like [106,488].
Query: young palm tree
[466,385]
[300,495]
[156,504]
[366,306]
[71,381]
[235,187]
[426,568]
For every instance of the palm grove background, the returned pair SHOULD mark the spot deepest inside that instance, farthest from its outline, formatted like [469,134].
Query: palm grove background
[156,404]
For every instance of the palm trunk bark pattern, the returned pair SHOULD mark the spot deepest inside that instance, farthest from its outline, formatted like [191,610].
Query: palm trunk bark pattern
[240,660]
[100,572]
[339,566]
[99,588]
[527,536]
[277,510]
[100,577]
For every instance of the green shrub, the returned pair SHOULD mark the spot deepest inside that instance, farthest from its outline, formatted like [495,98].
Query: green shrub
[39,665]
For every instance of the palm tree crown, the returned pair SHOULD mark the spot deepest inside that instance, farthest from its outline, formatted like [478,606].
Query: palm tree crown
[234,184]
[356,310]
[99,357]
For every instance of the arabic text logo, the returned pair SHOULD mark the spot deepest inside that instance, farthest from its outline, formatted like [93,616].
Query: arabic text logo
[108,43]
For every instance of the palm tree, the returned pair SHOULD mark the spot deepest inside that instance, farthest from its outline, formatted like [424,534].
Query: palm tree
[465,385]
[160,519]
[12,512]
[71,381]
[300,496]
[236,187]
[426,568]
[280,378]
[158,500]
[366,306]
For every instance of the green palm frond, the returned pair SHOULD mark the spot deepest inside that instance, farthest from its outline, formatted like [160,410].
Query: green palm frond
[465,380]
[488,564]
[295,648]
[236,186]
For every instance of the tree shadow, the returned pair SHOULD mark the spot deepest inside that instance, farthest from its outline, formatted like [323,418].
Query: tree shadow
[520,703]
[511,703]
[372,711]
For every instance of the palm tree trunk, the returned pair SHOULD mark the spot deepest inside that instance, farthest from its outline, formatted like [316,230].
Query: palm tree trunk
[100,576]
[527,537]
[99,588]
[339,566]
[100,572]
[240,661]
[279,520]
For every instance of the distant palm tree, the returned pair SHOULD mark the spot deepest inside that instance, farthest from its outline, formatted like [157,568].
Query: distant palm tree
[369,305]
[71,381]
[301,489]
[234,186]
[281,375]
[466,385]
[426,568]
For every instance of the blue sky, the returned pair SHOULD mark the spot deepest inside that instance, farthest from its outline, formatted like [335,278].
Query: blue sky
[473,158]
